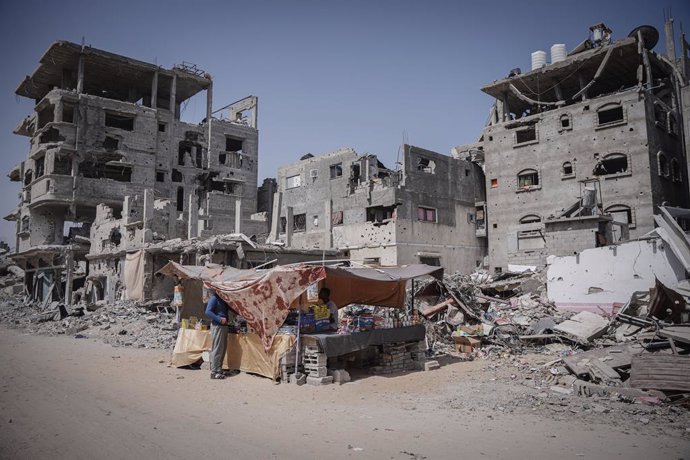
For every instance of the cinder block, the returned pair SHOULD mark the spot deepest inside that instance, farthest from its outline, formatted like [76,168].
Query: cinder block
[431,365]
[319,380]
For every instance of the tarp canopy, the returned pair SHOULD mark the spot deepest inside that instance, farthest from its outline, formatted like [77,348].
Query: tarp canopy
[211,272]
[264,300]
[383,287]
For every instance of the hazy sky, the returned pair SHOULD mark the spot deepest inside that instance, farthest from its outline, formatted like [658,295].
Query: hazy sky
[328,74]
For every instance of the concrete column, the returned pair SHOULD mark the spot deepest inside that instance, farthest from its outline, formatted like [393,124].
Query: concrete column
[69,258]
[192,217]
[172,220]
[275,216]
[80,75]
[645,59]
[127,205]
[148,215]
[238,215]
[288,227]
[670,41]
[172,151]
[328,227]
[506,107]
[154,90]
[209,111]
[57,111]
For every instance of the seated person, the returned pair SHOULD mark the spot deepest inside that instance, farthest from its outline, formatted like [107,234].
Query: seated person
[325,298]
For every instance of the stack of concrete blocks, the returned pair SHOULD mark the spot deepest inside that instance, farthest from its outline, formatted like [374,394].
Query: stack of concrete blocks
[399,357]
[315,366]
[287,364]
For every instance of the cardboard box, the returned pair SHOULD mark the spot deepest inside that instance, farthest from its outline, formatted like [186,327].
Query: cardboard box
[465,344]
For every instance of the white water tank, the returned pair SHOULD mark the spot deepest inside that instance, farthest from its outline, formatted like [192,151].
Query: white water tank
[558,53]
[538,59]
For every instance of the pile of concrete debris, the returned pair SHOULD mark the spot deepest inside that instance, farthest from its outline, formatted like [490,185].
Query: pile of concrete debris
[123,323]
[642,351]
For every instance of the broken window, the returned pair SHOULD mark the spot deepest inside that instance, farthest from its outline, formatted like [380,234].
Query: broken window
[45,116]
[161,127]
[115,237]
[227,187]
[283,225]
[426,214]
[337,218]
[160,176]
[527,134]
[180,199]
[427,260]
[567,169]
[110,143]
[375,261]
[494,183]
[380,214]
[336,170]
[99,169]
[426,165]
[608,115]
[299,222]
[51,135]
[176,176]
[222,157]
[530,219]
[528,178]
[672,124]
[663,165]
[621,213]
[68,113]
[184,154]
[120,121]
[62,165]
[293,181]
[233,144]
[675,171]
[615,163]
[40,166]
[565,121]
[660,116]
[28,177]
[25,224]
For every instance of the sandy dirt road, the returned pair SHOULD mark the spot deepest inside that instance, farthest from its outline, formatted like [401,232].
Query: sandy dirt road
[68,398]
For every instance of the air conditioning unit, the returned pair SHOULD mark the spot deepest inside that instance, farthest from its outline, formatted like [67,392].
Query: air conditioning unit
[314,173]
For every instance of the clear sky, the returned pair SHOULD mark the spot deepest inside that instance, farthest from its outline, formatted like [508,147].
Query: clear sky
[329,74]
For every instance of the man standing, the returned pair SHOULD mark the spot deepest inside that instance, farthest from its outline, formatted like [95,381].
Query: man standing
[217,312]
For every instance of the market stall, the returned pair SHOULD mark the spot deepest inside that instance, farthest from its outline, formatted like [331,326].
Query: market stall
[280,305]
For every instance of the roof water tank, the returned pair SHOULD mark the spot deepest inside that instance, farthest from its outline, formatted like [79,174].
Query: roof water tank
[558,53]
[538,59]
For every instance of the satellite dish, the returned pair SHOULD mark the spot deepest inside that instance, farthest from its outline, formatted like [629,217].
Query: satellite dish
[649,34]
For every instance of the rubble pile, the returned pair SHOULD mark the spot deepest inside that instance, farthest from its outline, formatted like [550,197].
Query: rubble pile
[639,354]
[124,323]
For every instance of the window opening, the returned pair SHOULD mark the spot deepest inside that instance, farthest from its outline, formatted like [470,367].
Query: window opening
[336,170]
[233,144]
[426,165]
[433,261]
[611,115]
[124,122]
[663,165]
[293,181]
[380,214]
[299,222]
[160,176]
[176,176]
[337,218]
[426,214]
[567,168]
[68,113]
[110,143]
[528,178]
[180,198]
[526,135]
[613,164]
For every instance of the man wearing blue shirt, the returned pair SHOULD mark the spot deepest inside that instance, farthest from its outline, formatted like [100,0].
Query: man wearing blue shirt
[217,312]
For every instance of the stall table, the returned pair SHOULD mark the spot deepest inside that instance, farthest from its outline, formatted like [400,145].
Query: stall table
[333,344]
[245,351]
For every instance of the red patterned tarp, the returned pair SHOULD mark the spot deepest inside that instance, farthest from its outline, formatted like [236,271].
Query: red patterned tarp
[264,301]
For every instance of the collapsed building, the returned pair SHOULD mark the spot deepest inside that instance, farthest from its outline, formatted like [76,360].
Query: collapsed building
[106,126]
[424,212]
[580,153]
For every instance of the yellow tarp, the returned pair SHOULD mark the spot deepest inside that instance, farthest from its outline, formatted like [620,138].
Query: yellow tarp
[245,351]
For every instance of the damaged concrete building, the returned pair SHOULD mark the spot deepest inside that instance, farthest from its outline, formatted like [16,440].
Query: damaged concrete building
[424,212]
[106,126]
[579,153]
